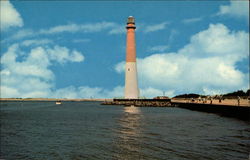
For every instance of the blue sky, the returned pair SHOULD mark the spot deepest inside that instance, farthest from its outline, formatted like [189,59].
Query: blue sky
[77,49]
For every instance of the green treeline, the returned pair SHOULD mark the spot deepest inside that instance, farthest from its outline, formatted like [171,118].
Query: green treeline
[235,94]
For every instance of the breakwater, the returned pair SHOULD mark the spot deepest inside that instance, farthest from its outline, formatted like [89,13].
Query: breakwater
[241,112]
[140,102]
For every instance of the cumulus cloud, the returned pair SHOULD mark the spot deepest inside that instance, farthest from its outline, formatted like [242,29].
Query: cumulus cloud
[98,92]
[31,76]
[150,92]
[9,16]
[33,65]
[63,54]
[88,92]
[120,67]
[235,9]
[77,92]
[206,65]
[218,41]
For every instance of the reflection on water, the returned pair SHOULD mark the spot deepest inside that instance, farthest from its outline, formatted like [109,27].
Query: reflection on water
[129,136]
[132,109]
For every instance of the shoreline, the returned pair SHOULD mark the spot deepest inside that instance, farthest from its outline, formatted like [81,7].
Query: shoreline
[215,102]
[225,102]
[227,107]
[51,99]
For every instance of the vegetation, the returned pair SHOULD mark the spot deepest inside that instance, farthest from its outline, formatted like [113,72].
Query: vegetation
[191,95]
[235,94]
[238,93]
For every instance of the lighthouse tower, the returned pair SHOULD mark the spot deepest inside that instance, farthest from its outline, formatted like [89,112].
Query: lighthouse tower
[131,86]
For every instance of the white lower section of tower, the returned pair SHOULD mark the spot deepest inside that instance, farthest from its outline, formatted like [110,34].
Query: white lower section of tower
[131,86]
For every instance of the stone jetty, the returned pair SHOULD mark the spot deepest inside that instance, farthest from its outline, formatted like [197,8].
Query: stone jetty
[140,102]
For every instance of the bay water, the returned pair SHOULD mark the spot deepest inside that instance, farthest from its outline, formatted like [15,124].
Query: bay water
[88,130]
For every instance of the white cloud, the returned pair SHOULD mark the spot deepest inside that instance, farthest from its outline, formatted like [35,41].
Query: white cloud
[192,20]
[110,27]
[63,54]
[117,92]
[36,42]
[148,92]
[173,34]
[206,65]
[61,28]
[118,29]
[21,34]
[9,16]
[76,56]
[81,40]
[32,66]
[159,48]
[86,28]
[218,41]
[8,92]
[88,92]
[140,27]
[236,9]
[77,92]
[30,76]
[156,27]
[120,67]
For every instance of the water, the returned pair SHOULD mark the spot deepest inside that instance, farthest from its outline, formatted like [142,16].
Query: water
[87,130]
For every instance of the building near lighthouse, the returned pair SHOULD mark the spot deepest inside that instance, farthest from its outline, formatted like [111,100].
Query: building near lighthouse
[131,84]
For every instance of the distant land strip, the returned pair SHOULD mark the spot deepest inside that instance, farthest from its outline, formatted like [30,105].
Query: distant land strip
[226,102]
[52,99]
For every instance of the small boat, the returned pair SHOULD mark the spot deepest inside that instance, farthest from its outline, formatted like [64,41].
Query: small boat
[58,102]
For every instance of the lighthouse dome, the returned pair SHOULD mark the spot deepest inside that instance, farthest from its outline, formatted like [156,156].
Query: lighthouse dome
[131,19]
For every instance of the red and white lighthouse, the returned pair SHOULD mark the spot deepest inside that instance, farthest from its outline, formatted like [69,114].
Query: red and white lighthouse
[131,85]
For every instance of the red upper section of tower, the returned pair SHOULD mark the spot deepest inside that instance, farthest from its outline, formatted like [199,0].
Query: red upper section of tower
[131,47]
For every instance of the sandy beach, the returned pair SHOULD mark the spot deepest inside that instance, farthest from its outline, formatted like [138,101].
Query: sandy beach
[231,102]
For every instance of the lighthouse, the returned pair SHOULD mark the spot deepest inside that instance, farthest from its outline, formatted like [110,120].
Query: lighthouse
[131,85]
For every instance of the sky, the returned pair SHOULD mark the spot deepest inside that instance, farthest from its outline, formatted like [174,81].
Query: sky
[76,49]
